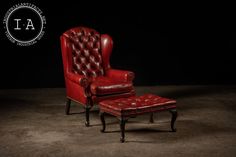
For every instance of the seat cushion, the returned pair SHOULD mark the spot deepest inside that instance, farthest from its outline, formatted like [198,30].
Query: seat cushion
[104,86]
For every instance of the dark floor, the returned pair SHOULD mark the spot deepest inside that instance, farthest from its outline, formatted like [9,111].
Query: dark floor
[32,123]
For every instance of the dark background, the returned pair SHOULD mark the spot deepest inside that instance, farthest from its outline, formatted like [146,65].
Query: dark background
[162,44]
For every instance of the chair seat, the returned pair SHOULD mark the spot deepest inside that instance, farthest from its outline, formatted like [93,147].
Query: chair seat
[105,85]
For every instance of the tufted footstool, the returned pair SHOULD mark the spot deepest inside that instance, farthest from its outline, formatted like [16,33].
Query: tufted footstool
[124,108]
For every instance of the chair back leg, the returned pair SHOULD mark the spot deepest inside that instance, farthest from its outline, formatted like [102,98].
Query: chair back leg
[67,109]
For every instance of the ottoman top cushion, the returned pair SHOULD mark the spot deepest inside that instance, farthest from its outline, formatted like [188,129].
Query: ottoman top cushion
[137,103]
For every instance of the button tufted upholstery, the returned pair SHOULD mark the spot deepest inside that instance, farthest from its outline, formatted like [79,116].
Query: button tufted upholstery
[86,52]
[136,105]
[89,77]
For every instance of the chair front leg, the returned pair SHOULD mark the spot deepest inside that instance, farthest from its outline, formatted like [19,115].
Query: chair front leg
[103,121]
[122,130]
[88,105]
[87,110]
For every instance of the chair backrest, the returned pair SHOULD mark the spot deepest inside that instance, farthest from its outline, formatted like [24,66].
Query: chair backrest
[84,44]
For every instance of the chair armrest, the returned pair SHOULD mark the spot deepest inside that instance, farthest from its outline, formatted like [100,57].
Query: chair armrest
[121,75]
[81,80]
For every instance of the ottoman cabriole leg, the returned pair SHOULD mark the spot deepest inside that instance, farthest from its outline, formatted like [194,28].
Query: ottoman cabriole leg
[103,121]
[151,120]
[174,116]
[122,129]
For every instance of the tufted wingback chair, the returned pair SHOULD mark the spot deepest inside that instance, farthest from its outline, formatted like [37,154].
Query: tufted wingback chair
[89,77]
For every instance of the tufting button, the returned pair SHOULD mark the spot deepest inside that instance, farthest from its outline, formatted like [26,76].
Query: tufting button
[146,100]
[89,45]
[120,104]
[86,53]
[91,39]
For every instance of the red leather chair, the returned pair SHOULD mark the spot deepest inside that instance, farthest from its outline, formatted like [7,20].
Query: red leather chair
[89,77]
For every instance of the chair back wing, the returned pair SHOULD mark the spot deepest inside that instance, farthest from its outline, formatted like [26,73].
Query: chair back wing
[106,46]
[83,49]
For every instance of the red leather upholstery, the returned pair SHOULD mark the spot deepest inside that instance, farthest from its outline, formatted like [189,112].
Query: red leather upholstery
[106,85]
[136,105]
[85,49]
[89,77]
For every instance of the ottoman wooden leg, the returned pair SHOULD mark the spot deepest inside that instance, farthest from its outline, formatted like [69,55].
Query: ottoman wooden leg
[122,129]
[174,116]
[151,120]
[103,121]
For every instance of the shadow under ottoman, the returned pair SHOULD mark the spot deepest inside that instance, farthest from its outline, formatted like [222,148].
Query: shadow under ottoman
[124,108]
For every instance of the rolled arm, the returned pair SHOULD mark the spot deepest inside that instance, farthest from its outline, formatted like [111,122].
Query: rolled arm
[81,80]
[121,75]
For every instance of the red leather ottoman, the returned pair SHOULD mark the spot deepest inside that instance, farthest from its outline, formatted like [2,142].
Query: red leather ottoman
[124,108]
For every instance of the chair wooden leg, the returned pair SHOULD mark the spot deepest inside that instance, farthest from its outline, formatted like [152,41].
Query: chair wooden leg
[122,130]
[87,109]
[67,108]
[103,121]
[174,116]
